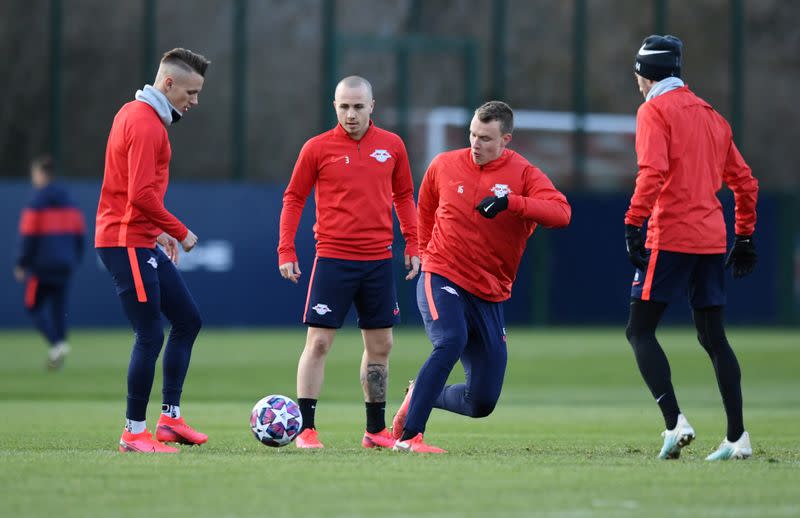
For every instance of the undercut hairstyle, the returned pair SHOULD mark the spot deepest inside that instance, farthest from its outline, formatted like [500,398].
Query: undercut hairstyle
[497,111]
[44,163]
[186,60]
[355,82]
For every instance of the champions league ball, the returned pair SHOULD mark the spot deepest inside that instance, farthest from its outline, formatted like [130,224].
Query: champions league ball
[276,420]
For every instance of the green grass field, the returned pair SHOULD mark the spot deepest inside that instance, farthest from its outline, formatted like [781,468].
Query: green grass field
[575,433]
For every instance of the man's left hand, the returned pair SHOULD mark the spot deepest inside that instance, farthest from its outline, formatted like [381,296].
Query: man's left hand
[170,246]
[412,264]
[491,206]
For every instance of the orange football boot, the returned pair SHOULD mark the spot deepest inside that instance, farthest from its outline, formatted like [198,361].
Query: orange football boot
[399,420]
[382,439]
[308,439]
[142,443]
[176,430]
[416,445]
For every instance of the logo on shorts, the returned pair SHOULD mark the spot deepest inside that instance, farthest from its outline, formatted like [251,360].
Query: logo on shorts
[500,190]
[396,310]
[152,262]
[451,290]
[381,155]
[321,309]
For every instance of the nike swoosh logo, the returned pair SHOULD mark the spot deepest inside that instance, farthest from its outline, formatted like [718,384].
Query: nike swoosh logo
[486,208]
[660,397]
[645,52]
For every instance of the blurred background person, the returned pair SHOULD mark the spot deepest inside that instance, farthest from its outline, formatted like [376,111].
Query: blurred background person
[52,232]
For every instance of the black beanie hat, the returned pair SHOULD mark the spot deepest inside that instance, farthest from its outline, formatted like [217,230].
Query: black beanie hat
[659,57]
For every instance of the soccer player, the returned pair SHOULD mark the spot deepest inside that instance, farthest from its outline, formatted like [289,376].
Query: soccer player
[357,171]
[52,231]
[685,151]
[131,219]
[477,208]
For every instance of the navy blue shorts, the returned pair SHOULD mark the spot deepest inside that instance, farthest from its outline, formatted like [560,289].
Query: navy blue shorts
[673,274]
[335,284]
[152,277]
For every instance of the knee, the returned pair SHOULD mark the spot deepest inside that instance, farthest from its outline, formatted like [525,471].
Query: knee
[379,351]
[150,336]
[194,322]
[482,408]
[318,346]
[189,323]
[635,334]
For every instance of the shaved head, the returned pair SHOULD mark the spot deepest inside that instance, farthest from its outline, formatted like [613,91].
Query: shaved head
[353,103]
[354,82]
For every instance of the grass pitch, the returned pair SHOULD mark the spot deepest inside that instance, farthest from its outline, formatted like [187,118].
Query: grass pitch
[575,433]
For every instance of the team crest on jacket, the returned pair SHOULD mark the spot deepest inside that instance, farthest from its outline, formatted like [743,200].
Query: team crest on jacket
[381,155]
[500,190]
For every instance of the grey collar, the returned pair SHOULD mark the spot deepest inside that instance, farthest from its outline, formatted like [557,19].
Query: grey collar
[665,85]
[152,96]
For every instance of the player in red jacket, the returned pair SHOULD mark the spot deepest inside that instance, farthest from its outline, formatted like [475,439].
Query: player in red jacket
[357,171]
[477,208]
[52,232]
[131,218]
[685,152]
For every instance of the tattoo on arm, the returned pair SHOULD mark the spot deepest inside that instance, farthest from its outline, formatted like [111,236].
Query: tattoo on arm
[377,376]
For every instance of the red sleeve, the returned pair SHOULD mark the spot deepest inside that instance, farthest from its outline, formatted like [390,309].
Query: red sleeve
[652,141]
[304,176]
[740,179]
[541,202]
[403,196]
[427,205]
[143,145]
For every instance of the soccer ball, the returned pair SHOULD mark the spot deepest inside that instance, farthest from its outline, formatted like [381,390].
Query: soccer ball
[276,420]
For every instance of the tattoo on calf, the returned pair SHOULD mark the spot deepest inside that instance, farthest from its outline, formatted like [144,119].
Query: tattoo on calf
[376,381]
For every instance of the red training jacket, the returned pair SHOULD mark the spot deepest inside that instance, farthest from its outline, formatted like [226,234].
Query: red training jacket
[685,151]
[355,183]
[131,211]
[482,255]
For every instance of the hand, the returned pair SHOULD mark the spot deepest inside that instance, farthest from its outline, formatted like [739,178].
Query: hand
[170,246]
[491,206]
[290,271]
[412,264]
[189,241]
[19,273]
[634,242]
[743,256]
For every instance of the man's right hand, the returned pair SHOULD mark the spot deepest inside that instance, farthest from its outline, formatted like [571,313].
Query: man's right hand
[290,271]
[634,243]
[189,241]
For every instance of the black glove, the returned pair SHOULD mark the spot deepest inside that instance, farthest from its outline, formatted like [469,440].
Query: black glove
[634,242]
[491,206]
[743,256]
